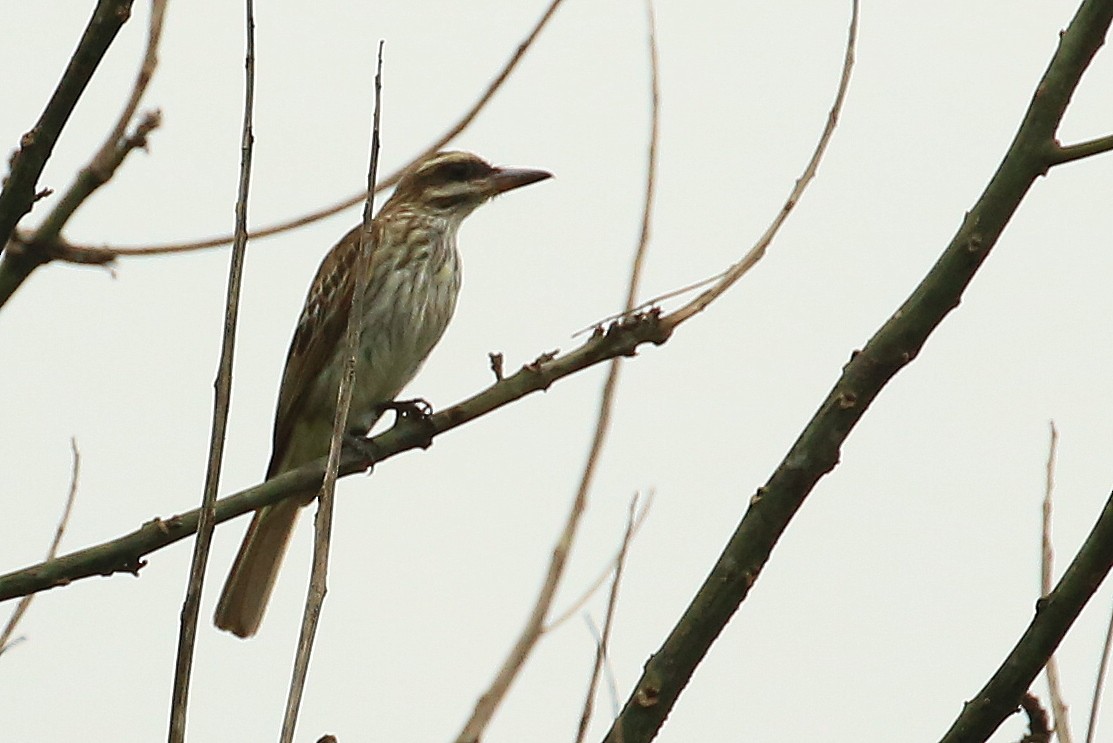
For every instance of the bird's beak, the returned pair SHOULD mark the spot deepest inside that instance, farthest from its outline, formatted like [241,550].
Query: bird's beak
[507,179]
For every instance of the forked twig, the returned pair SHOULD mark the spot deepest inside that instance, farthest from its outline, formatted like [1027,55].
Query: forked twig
[322,537]
[24,603]
[23,254]
[191,605]
[608,569]
[116,146]
[18,194]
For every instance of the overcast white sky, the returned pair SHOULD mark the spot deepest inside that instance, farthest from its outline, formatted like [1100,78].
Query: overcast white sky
[901,584]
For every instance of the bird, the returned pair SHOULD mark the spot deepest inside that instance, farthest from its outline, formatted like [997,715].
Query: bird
[413,281]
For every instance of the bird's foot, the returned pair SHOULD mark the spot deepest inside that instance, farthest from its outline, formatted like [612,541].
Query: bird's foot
[415,413]
[416,409]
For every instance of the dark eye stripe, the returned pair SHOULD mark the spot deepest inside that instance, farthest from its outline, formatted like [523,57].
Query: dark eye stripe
[445,202]
[459,170]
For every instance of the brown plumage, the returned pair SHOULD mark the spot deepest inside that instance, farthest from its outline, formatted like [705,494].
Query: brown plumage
[411,294]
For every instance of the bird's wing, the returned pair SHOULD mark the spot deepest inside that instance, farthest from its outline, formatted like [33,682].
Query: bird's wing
[319,333]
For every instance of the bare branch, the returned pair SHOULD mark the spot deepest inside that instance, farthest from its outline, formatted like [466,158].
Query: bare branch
[531,633]
[608,622]
[36,146]
[125,554]
[116,146]
[322,537]
[757,252]
[207,514]
[817,449]
[52,551]
[1054,616]
[47,238]
[607,570]
[453,131]
[1099,684]
[816,452]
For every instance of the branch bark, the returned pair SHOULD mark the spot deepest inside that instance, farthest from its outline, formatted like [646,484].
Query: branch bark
[1055,614]
[894,346]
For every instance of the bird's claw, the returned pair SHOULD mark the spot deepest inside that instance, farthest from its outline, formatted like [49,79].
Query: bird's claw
[363,447]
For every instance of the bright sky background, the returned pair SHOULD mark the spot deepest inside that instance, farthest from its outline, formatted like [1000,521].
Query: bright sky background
[893,596]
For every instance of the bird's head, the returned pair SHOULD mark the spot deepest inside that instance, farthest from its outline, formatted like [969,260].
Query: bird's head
[455,183]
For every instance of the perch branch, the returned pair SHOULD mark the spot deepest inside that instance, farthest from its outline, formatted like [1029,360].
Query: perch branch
[125,553]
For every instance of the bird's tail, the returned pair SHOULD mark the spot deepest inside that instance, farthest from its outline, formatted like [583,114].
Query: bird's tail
[251,580]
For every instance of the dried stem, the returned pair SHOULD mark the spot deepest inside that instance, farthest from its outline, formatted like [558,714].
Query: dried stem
[604,640]
[1099,684]
[488,703]
[21,608]
[322,537]
[579,603]
[1047,562]
[207,517]
[453,131]
[757,252]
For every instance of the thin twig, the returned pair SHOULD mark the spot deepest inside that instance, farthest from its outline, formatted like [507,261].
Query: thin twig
[1047,562]
[116,147]
[453,131]
[757,252]
[51,552]
[665,675]
[997,699]
[512,665]
[1069,153]
[653,301]
[608,569]
[608,623]
[318,578]
[1099,684]
[207,518]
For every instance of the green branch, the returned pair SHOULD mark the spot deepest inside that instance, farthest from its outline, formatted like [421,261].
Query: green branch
[892,348]
[1054,616]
